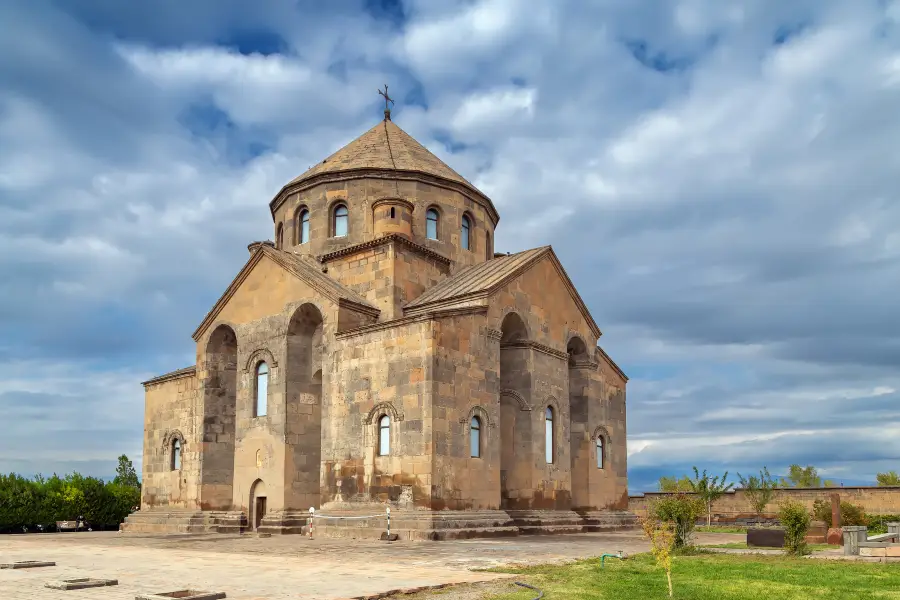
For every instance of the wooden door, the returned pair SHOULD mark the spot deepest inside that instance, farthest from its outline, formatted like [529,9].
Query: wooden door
[259,511]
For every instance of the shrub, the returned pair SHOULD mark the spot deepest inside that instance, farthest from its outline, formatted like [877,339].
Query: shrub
[662,543]
[878,523]
[851,514]
[27,503]
[682,511]
[795,519]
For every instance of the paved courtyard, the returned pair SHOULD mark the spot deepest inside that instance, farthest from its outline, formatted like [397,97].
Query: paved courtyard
[247,567]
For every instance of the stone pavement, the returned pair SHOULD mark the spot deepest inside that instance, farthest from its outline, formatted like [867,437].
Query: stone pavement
[281,567]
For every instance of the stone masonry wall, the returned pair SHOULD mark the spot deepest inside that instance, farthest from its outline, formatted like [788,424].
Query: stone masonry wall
[735,505]
[466,384]
[171,408]
[379,371]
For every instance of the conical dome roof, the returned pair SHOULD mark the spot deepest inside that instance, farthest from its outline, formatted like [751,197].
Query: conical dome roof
[385,146]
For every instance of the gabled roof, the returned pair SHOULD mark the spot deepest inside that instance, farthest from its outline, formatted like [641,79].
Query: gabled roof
[483,279]
[385,146]
[304,270]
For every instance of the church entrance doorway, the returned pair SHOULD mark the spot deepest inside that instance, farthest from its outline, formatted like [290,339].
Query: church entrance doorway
[259,511]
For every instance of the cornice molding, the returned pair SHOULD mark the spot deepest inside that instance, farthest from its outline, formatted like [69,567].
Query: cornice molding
[179,374]
[382,241]
[537,347]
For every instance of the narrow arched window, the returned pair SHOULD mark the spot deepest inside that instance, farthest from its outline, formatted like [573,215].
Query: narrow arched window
[341,216]
[601,457]
[431,224]
[279,236]
[384,435]
[475,438]
[548,435]
[262,388]
[176,454]
[303,227]
[488,247]
[465,234]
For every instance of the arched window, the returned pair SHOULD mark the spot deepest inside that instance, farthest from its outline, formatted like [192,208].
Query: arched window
[601,457]
[303,227]
[262,388]
[431,224]
[176,454]
[548,434]
[488,247]
[341,216]
[384,435]
[475,438]
[279,236]
[465,234]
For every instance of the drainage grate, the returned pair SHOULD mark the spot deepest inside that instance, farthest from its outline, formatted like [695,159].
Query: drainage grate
[27,564]
[80,584]
[182,595]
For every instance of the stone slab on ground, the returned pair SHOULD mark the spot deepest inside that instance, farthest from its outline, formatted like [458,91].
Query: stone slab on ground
[27,564]
[80,583]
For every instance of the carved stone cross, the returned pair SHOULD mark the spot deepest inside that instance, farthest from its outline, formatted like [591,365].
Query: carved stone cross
[387,109]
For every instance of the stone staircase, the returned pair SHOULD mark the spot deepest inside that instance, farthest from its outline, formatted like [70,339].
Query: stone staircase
[184,521]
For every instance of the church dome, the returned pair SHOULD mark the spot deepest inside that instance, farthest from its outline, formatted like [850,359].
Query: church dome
[385,147]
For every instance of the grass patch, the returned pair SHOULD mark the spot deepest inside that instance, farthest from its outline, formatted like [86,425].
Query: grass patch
[711,577]
[743,546]
[720,529]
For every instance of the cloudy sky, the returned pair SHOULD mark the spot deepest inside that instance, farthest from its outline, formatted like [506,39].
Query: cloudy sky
[720,179]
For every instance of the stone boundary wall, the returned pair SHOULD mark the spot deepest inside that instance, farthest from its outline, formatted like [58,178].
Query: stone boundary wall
[735,505]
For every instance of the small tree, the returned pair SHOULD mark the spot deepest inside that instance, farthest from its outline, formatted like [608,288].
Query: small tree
[662,542]
[671,484]
[795,519]
[125,473]
[759,490]
[802,477]
[891,478]
[709,489]
[681,510]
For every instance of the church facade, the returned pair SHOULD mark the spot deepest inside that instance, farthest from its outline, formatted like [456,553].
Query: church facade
[380,353]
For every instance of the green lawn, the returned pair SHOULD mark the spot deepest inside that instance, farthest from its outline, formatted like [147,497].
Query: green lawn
[743,546]
[712,577]
[720,529]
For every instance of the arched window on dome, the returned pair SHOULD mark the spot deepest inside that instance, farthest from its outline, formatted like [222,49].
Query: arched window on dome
[279,236]
[432,219]
[465,239]
[303,227]
[488,247]
[341,218]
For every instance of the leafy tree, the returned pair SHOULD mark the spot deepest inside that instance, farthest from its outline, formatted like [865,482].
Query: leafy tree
[662,542]
[709,489]
[681,509]
[796,520]
[125,473]
[671,484]
[802,477]
[759,490]
[891,478]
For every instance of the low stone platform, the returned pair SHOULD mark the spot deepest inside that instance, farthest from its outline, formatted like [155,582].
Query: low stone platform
[370,522]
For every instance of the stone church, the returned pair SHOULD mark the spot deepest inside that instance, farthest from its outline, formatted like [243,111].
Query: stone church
[380,353]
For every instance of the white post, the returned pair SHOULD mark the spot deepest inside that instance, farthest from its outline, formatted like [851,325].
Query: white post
[388,523]
[310,521]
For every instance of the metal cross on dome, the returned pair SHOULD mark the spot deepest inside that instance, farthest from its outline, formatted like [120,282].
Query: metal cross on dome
[387,109]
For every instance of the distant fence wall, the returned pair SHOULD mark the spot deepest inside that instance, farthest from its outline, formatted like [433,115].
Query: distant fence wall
[735,505]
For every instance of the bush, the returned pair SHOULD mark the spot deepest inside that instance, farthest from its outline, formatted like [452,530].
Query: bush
[795,519]
[878,523]
[851,514]
[27,503]
[682,511]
